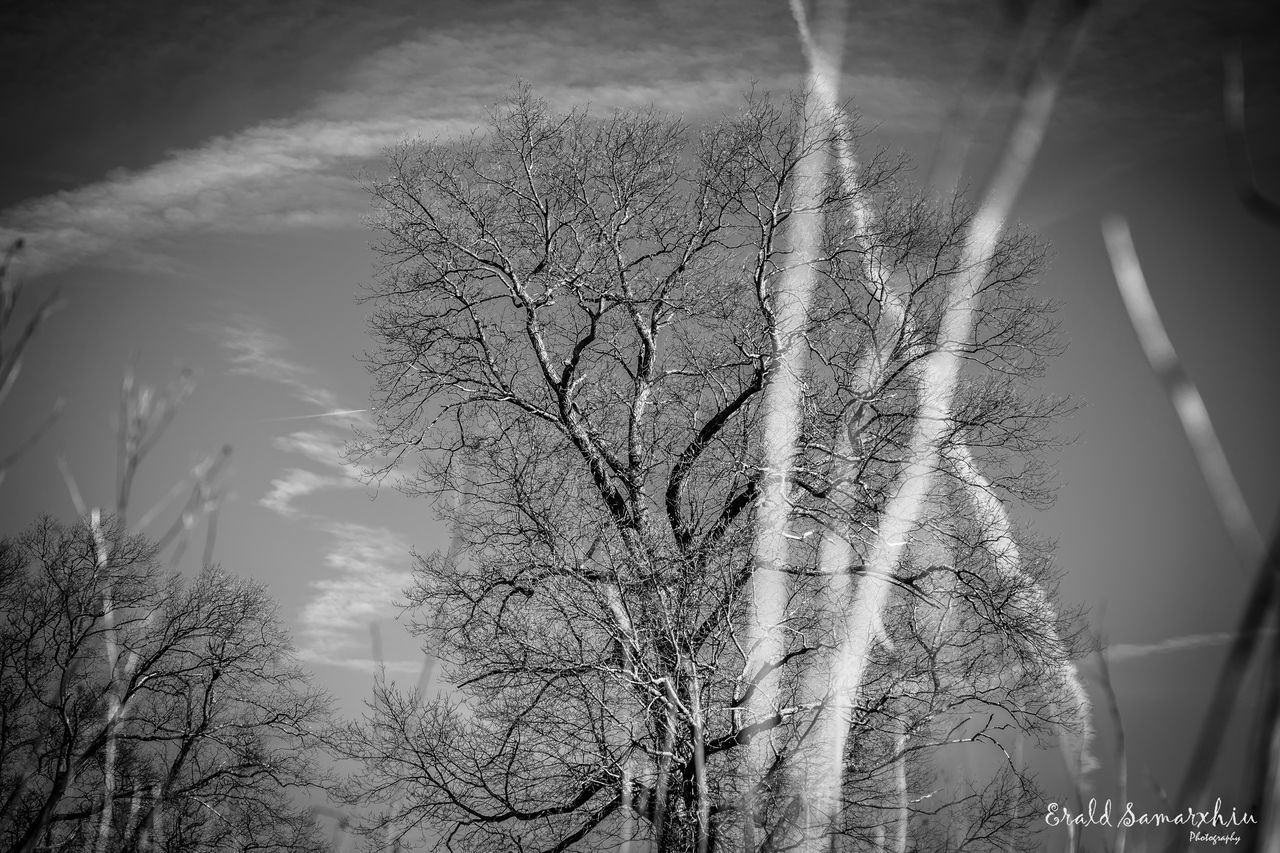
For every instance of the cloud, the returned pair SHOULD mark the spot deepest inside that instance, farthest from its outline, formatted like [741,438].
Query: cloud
[369,571]
[282,176]
[324,447]
[296,172]
[367,564]
[253,351]
[297,483]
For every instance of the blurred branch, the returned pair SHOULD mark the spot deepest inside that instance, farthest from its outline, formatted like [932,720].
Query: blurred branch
[198,473]
[1025,27]
[1117,723]
[1182,392]
[144,416]
[34,438]
[1257,607]
[1031,119]
[1265,208]
[1266,776]
[10,293]
[11,357]
[938,384]
[1227,497]
[206,496]
[788,307]
[72,488]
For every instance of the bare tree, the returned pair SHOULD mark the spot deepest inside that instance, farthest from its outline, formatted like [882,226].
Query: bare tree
[171,706]
[576,321]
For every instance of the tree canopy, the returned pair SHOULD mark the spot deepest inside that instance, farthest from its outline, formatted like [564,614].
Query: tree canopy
[576,320]
[141,710]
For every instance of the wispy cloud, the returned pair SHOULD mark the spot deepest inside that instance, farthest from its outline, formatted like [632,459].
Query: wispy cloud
[324,447]
[368,566]
[273,177]
[252,350]
[369,569]
[297,483]
[296,172]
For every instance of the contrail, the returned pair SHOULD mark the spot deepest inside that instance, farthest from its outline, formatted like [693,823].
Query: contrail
[1137,651]
[335,414]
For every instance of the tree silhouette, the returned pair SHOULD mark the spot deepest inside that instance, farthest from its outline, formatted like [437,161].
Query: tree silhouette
[577,322]
[143,711]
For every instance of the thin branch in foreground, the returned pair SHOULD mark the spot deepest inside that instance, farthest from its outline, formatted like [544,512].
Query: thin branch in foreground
[10,293]
[73,489]
[783,386]
[11,356]
[1182,392]
[206,497]
[34,438]
[1011,49]
[1258,606]
[1117,722]
[938,386]
[1255,200]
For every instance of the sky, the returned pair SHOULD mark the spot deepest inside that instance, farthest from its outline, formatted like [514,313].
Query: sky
[187,177]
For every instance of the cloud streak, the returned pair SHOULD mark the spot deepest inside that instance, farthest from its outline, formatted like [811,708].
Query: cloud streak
[297,483]
[324,447]
[296,172]
[367,565]
[369,571]
[252,350]
[283,176]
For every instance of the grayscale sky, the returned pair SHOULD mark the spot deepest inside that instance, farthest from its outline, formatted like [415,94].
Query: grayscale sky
[185,174]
